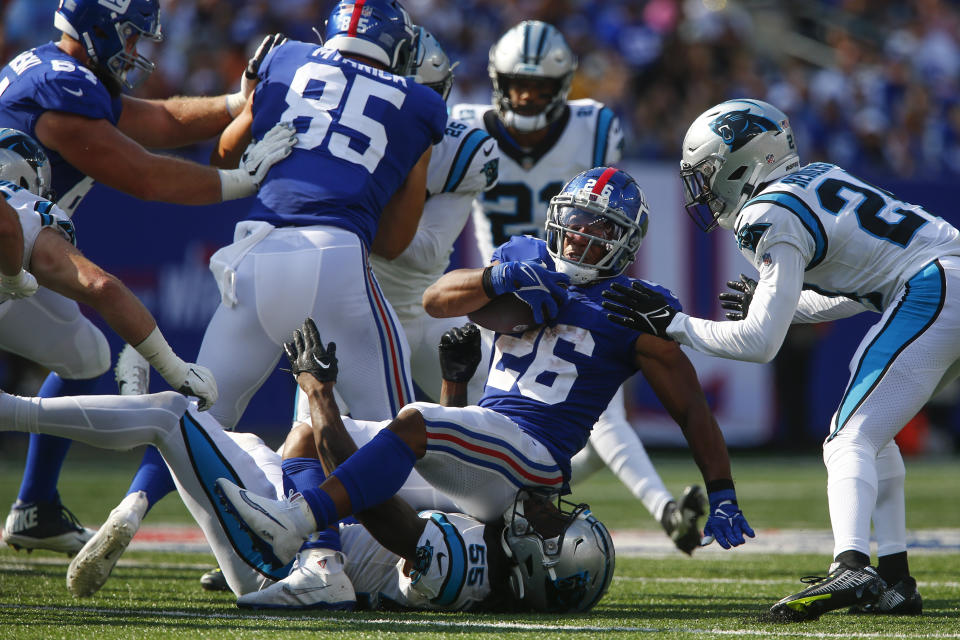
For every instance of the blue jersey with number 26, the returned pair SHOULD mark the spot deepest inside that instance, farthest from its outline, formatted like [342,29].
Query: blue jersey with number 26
[360,130]
[555,381]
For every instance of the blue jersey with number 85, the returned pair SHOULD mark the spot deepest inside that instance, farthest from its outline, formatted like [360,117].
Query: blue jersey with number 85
[360,130]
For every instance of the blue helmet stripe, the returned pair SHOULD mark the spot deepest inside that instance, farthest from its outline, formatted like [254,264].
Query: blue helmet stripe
[544,31]
[799,208]
[604,121]
[461,161]
[457,568]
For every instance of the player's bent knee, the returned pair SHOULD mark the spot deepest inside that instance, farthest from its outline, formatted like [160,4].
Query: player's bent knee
[91,354]
[300,442]
[411,428]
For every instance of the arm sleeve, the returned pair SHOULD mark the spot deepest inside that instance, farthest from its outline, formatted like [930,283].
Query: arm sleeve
[815,307]
[758,337]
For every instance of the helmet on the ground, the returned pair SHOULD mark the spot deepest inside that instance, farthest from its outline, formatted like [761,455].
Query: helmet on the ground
[729,151]
[531,50]
[376,29]
[104,27]
[606,207]
[431,67]
[562,558]
[24,163]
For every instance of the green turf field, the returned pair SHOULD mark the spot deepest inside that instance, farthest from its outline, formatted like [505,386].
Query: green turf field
[156,595]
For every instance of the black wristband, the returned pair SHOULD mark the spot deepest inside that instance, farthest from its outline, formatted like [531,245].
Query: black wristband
[487,281]
[720,485]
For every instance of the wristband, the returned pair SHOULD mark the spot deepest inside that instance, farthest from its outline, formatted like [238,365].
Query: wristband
[487,281]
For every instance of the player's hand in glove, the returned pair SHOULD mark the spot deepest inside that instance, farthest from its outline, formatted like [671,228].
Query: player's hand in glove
[197,381]
[639,308]
[542,289]
[460,353]
[248,80]
[737,303]
[22,285]
[274,146]
[725,522]
[307,355]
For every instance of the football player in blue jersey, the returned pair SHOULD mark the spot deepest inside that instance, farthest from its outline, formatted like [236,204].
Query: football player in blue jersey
[546,385]
[543,135]
[67,96]
[354,183]
[827,245]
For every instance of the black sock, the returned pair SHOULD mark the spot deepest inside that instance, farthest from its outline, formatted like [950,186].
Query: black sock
[853,559]
[893,568]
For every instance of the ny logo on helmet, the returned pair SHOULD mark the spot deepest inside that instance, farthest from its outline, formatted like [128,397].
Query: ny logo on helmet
[737,128]
[120,6]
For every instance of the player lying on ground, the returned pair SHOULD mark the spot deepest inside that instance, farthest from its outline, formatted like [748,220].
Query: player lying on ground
[546,386]
[827,245]
[198,450]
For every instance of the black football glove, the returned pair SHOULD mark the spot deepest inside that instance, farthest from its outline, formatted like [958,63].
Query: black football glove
[253,64]
[639,308]
[460,353]
[307,355]
[738,304]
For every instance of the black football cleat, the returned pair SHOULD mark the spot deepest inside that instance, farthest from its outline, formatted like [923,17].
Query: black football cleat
[902,599]
[44,525]
[679,520]
[214,580]
[843,587]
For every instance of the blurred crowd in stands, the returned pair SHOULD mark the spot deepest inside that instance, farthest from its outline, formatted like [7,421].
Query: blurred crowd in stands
[871,85]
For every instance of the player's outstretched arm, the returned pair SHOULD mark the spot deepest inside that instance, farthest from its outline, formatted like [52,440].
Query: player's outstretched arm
[674,380]
[393,523]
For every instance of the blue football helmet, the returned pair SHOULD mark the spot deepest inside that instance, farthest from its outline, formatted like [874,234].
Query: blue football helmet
[104,27]
[562,556]
[24,163]
[431,67]
[380,30]
[605,207]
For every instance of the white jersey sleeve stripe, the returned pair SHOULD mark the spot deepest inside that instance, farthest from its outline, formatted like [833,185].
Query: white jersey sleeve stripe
[800,209]
[461,162]
[602,136]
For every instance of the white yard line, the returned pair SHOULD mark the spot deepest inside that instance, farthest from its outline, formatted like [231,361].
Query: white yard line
[477,625]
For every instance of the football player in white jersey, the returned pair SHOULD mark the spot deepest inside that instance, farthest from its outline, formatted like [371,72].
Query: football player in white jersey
[827,245]
[462,166]
[543,136]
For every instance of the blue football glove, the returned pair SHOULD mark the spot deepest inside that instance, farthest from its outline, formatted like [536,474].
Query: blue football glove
[542,289]
[726,523]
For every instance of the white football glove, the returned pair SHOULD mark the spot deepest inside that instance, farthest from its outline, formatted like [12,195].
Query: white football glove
[193,380]
[22,285]
[236,101]
[262,154]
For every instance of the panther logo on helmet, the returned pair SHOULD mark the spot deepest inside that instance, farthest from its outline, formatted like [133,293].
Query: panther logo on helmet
[24,163]
[737,128]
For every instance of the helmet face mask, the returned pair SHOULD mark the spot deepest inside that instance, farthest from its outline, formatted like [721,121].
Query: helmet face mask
[729,152]
[595,225]
[109,31]
[431,67]
[562,556]
[24,163]
[380,30]
[535,51]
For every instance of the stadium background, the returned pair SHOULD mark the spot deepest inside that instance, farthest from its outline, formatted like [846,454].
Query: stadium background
[872,86]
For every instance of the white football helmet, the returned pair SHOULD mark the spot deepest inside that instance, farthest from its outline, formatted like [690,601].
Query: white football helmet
[431,66]
[605,206]
[562,560]
[531,49]
[24,163]
[729,151]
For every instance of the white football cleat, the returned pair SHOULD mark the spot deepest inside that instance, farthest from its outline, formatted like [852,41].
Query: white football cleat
[316,581]
[277,528]
[132,372]
[91,567]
